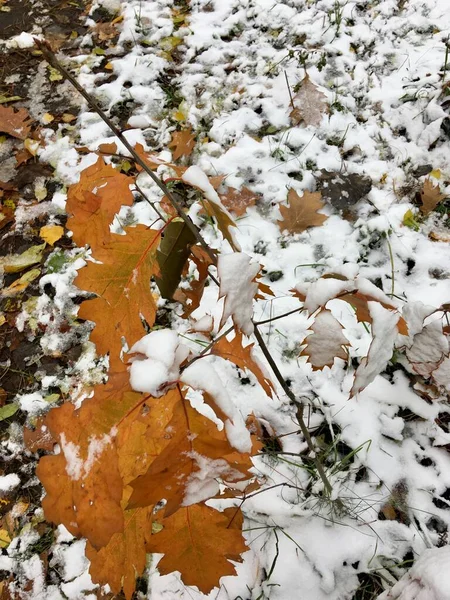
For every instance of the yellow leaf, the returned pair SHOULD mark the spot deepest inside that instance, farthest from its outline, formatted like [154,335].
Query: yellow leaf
[47,118]
[68,117]
[21,284]
[32,146]
[436,173]
[108,66]
[14,263]
[5,540]
[54,74]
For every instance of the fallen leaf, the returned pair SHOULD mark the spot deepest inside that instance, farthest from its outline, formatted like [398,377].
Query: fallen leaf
[38,438]
[15,123]
[326,342]
[51,233]
[310,104]
[8,410]
[183,143]
[5,539]
[20,284]
[301,212]
[431,196]
[31,146]
[14,263]
[199,542]
[22,156]
[237,201]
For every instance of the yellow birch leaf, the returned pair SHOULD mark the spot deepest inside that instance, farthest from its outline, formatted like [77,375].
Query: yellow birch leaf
[51,233]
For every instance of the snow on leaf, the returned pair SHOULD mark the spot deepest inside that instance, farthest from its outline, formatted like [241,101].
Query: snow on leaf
[199,542]
[310,104]
[301,212]
[236,274]
[384,334]
[190,434]
[235,352]
[442,374]
[15,123]
[183,143]
[430,195]
[196,177]
[326,342]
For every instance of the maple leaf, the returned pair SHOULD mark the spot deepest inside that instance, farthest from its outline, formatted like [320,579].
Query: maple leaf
[241,356]
[15,123]
[310,104]
[431,196]
[92,213]
[198,541]
[193,439]
[301,212]
[122,284]
[237,273]
[237,201]
[183,143]
[326,342]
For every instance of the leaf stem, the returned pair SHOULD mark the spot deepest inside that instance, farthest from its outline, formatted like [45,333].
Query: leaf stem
[291,312]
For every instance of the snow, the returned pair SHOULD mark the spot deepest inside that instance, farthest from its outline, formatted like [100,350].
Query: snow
[8,482]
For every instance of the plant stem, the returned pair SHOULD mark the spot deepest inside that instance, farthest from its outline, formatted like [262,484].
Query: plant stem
[291,312]
[299,405]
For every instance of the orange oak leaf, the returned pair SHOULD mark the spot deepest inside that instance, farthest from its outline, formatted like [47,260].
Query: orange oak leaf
[197,456]
[430,195]
[15,123]
[237,201]
[241,356]
[94,201]
[301,212]
[326,342]
[83,483]
[124,557]
[183,143]
[191,298]
[199,541]
[122,283]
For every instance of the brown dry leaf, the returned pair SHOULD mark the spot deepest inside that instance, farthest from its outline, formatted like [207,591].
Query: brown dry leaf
[202,261]
[51,233]
[105,31]
[191,436]
[430,195]
[122,283]
[326,342]
[22,156]
[92,213]
[224,221]
[310,104]
[199,542]
[38,438]
[241,356]
[301,212]
[183,143]
[360,301]
[15,123]
[237,201]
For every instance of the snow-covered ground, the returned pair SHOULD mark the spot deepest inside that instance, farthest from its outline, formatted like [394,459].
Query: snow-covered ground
[228,69]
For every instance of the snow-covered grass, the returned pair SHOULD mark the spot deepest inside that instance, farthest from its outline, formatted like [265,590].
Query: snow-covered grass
[381,67]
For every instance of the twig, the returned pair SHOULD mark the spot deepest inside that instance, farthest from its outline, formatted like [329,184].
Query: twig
[152,204]
[289,90]
[207,348]
[291,312]
[391,257]
[299,406]
[50,57]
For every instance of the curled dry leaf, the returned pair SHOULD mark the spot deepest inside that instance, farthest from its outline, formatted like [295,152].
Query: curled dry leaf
[431,196]
[301,212]
[15,123]
[326,342]
[310,104]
